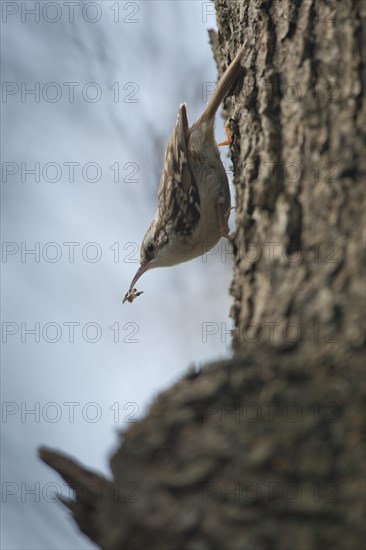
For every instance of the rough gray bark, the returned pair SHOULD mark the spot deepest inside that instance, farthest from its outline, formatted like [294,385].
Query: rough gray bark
[299,161]
[265,451]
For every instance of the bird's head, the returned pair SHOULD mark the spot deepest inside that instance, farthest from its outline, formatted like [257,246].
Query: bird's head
[159,250]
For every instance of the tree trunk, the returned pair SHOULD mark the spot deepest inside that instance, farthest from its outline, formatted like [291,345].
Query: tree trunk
[299,158]
[264,451]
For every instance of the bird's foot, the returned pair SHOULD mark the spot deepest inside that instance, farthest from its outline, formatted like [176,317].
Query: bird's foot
[227,141]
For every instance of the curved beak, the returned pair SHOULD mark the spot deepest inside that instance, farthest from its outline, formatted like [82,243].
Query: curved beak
[141,270]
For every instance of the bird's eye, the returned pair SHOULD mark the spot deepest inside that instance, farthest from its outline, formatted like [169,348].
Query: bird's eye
[150,248]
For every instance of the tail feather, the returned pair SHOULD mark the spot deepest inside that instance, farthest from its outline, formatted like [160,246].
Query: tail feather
[223,87]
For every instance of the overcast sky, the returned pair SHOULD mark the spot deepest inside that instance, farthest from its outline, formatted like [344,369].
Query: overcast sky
[90,93]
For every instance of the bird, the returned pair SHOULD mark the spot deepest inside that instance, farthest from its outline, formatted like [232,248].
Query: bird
[193,197]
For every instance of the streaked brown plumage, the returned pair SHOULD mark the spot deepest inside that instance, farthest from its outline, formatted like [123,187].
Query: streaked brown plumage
[194,195]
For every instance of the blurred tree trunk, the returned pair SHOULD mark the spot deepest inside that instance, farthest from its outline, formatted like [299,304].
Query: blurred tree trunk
[265,451]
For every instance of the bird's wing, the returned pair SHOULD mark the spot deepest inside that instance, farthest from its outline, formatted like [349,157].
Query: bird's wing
[179,199]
